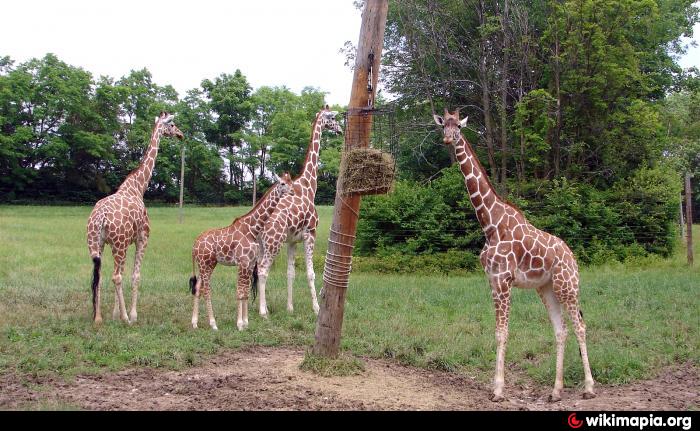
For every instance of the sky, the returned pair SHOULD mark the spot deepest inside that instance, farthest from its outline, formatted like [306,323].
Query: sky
[181,42]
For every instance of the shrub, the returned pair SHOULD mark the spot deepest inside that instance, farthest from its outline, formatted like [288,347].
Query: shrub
[432,228]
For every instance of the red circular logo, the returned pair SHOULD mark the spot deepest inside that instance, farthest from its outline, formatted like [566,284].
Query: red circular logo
[573,422]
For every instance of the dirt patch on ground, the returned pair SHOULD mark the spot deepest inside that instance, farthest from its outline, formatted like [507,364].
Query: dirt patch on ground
[264,378]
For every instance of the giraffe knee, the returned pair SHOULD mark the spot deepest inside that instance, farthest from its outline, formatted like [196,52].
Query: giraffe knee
[117,278]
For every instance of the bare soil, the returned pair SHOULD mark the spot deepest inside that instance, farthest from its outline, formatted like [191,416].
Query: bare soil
[264,378]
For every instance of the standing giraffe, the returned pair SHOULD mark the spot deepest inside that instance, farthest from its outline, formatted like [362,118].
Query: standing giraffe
[121,219]
[518,254]
[295,218]
[236,244]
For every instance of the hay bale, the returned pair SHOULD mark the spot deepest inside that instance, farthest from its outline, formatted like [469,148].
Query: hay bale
[366,171]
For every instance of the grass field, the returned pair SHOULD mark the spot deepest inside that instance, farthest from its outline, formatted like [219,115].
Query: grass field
[640,316]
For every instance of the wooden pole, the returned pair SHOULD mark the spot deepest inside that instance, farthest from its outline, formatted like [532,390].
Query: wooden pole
[682,219]
[182,177]
[689,218]
[346,211]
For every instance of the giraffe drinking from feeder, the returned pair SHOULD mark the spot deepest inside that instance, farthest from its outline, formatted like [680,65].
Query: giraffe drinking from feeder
[236,244]
[518,254]
[121,219]
[295,219]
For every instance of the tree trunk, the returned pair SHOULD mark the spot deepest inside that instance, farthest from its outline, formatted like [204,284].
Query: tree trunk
[486,96]
[689,218]
[504,96]
[556,145]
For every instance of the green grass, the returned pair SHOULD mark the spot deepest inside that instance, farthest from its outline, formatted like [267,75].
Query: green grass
[640,316]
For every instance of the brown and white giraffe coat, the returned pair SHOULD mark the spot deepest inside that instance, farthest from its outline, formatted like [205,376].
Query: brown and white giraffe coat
[121,219]
[518,254]
[236,244]
[295,219]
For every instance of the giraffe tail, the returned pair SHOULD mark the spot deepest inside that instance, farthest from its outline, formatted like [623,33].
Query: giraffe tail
[97,263]
[254,284]
[193,280]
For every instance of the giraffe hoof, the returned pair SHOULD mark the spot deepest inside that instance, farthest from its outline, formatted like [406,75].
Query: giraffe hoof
[214,328]
[97,321]
[497,398]
[588,395]
[241,326]
[194,325]
[290,309]
[132,318]
[554,398]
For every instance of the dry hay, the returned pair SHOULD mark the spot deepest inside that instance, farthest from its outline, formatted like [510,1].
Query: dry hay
[366,171]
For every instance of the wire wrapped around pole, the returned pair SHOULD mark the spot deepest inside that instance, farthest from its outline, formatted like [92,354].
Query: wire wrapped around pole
[337,268]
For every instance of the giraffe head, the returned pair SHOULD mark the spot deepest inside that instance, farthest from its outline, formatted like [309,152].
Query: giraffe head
[169,128]
[328,121]
[285,184]
[451,125]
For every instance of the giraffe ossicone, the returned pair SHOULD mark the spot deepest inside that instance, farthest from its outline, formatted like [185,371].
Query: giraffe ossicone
[518,254]
[295,219]
[120,220]
[236,244]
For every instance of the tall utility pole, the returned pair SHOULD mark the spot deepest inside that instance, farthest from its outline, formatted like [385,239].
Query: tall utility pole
[182,176]
[358,127]
[689,218]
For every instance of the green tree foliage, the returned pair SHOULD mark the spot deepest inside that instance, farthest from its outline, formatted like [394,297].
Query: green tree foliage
[67,136]
[568,112]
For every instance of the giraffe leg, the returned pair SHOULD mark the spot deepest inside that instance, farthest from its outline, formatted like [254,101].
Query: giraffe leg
[119,263]
[263,271]
[291,252]
[206,289]
[309,242]
[141,244]
[572,306]
[242,288]
[553,307]
[115,309]
[245,314]
[500,290]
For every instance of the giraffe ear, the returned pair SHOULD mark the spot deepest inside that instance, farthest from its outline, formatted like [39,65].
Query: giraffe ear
[464,121]
[156,120]
[439,120]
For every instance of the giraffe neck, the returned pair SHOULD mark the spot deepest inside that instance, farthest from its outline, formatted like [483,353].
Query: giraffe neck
[262,210]
[311,161]
[137,181]
[481,193]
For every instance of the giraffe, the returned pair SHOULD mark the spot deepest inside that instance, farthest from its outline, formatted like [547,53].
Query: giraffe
[121,219]
[295,219]
[518,254]
[236,244]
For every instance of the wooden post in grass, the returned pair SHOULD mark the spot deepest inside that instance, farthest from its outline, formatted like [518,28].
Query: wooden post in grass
[689,218]
[182,176]
[346,211]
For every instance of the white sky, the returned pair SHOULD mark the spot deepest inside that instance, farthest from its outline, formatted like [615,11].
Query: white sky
[274,42]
